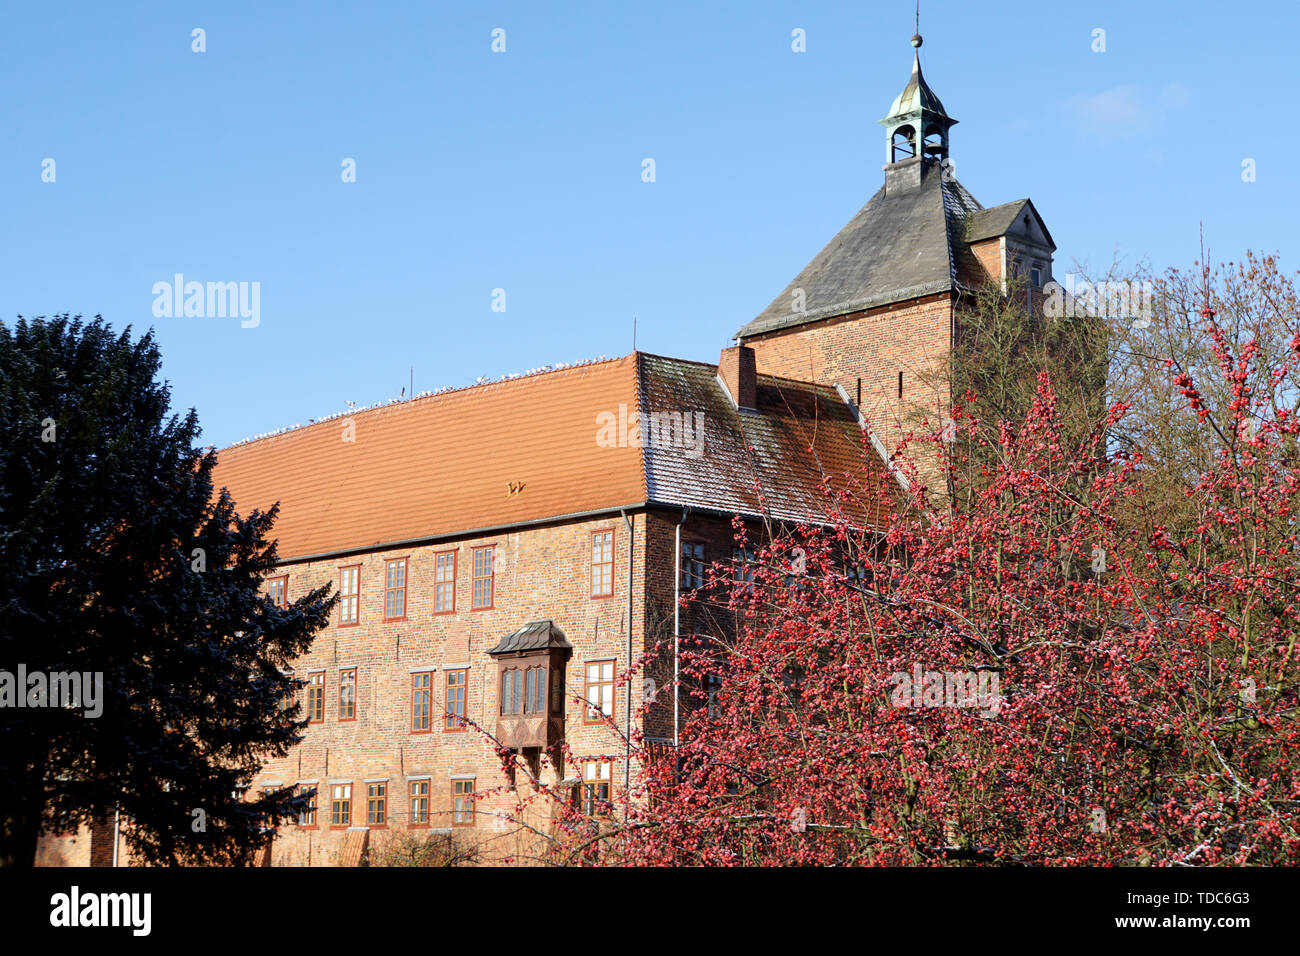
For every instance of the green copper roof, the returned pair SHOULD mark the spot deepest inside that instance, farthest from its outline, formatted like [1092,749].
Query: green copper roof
[916,96]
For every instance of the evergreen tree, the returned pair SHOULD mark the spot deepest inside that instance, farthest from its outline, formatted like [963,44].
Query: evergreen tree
[117,559]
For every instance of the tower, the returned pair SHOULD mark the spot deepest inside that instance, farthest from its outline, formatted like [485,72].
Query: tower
[917,124]
[875,312]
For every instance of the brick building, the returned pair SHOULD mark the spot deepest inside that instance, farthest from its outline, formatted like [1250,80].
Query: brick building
[503,553]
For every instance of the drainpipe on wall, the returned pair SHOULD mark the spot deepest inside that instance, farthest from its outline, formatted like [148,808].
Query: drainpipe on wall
[677,620]
[627,733]
[117,831]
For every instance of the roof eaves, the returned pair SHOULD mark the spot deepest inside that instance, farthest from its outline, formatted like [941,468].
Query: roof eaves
[761,326]
[1041,224]
[464,533]
[876,443]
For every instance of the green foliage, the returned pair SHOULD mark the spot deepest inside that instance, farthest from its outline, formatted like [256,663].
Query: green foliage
[1002,345]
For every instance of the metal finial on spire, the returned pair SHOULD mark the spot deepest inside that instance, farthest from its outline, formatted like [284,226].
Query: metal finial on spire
[916,37]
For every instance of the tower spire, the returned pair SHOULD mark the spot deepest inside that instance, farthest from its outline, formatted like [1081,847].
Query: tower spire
[917,125]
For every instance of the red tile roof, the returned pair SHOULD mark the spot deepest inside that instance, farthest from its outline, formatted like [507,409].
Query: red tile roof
[444,463]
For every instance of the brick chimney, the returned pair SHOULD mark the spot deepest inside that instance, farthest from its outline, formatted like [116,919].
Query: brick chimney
[739,373]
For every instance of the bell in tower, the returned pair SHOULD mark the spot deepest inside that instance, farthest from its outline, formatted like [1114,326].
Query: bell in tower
[917,124]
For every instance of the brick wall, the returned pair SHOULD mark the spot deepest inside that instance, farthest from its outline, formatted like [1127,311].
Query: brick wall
[912,339]
[989,254]
[66,849]
[540,574]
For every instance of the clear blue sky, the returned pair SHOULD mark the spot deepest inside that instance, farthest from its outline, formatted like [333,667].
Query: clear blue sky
[522,170]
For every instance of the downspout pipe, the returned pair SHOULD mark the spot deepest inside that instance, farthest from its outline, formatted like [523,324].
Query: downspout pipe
[627,760]
[677,623]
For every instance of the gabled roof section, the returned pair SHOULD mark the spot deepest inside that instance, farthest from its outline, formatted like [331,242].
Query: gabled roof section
[1008,219]
[771,460]
[483,457]
[899,246]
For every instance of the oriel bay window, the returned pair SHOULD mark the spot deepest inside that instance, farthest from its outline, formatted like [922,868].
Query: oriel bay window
[530,686]
[523,687]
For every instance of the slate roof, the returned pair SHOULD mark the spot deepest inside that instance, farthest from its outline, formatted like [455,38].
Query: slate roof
[533,636]
[899,246]
[999,220]
[443,465]
[994,221]
[772,460]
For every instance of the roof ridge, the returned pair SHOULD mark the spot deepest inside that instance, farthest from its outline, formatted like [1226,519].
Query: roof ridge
[482,383]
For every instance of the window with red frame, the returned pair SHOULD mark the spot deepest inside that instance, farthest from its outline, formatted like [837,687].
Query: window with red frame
[421,700]
[395,589]
[419,802]
[341,805]
[348,694]
[316,697]
[444,582]
[457,688]
[602,564]
[600,690]
[277,589]
[286,702]
[596,776]
[376,804]
[483,578]
[349,594]
[307,817]
[462,803]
